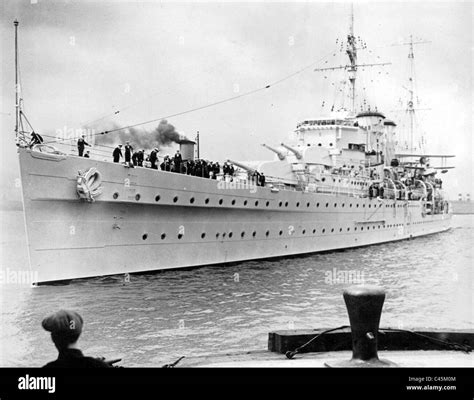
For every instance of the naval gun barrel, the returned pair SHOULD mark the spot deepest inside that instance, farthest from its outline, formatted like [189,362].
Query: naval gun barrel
[280,155]
[243,166]
[295,152]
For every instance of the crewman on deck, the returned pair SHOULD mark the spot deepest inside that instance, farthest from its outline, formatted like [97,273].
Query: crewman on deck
[153,158]
[117,153]
[128,152]
[66,327]
[36,138]
[81,143]
[262,179]
[178,159]
[135,158]
[140,158]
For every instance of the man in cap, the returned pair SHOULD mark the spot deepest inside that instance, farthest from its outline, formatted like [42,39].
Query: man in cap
[66,327]
[128,153]
[36,138]
[154,158]
[178,159]
[117,153]
[81,143]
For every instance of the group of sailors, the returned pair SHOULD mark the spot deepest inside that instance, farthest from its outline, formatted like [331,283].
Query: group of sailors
[201,168]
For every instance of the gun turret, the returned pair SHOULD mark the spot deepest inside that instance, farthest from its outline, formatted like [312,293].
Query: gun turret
[280,155]
[295,152]
[243,166]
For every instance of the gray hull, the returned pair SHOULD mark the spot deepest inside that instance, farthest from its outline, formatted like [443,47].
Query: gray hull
[148,220]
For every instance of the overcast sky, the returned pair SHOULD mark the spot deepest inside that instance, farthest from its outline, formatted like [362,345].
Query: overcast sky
[82,61]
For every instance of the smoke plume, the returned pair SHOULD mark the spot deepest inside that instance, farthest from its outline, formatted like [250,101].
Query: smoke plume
[163,135]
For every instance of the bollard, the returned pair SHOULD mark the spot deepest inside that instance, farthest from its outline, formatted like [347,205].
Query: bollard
[364,306]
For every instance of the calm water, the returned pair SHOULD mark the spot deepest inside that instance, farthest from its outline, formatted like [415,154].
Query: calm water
[158,317]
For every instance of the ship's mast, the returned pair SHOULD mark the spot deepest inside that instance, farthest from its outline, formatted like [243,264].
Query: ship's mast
[352,53]
[410,107]
[17,88]
[410,110]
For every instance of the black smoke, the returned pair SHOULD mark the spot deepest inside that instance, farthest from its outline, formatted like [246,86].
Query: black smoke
[163,135]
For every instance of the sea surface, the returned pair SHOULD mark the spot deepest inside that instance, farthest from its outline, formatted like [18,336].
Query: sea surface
[155,318]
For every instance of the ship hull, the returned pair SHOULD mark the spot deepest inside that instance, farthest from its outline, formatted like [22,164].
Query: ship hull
[146,220]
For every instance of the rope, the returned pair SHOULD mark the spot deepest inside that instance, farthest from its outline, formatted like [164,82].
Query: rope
[291,354]
[450,345]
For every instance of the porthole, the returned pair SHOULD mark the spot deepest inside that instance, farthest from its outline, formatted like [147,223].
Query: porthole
[304,231]
[286,204]
[157,198]
[343,204]
[137,196]
[203,235]
[348,229]
[180,236]
[267,233]
[254,233]
[323,179]
[332,230]
[298,204]
[163,236]
[217,235]
[230,234]
[363,205]
[267,203]
[317,204]
[175,199]
[256,203]
[221,201]
[145,236]
[324,230]
[355,228]
[242,234]
[191,200]
[370,205]
[279,204]
[232,202]
[314,231]
[245,202]
[115,195]
[327,205]
[223,235]
[357,205]
[350,205]
[280,233]
[340,229]
[206,201]
[361,228]
[307,204]
[335,204]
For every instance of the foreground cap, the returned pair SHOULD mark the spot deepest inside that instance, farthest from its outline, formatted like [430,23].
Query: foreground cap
[63,321]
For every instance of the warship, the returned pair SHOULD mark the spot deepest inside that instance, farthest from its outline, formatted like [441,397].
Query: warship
[338,182]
